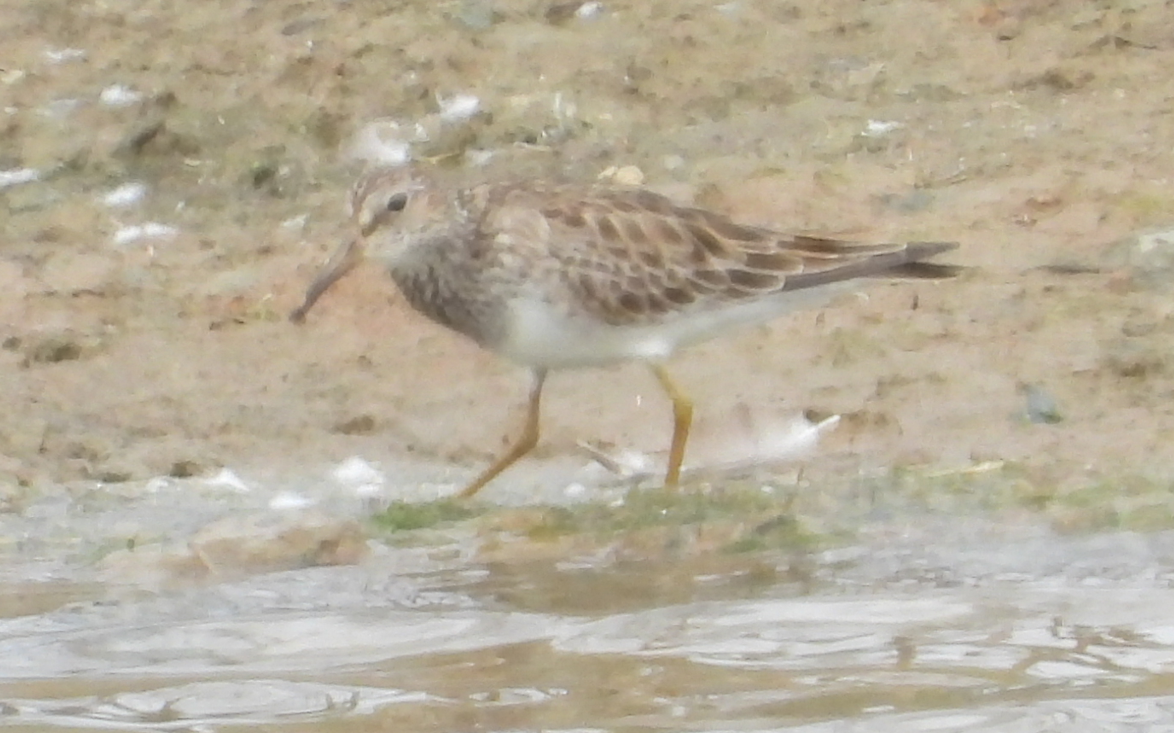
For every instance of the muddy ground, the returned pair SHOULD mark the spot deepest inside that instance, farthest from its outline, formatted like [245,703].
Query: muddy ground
[1036,133]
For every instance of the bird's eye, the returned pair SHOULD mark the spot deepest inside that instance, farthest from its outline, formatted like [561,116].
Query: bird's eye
[397,202]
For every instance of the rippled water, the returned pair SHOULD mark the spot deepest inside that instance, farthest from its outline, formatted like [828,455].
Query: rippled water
[983,632]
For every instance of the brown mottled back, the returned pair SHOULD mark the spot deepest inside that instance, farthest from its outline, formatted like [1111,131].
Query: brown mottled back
[631,256]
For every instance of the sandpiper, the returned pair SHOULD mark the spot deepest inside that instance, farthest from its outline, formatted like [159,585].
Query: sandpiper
[562,276]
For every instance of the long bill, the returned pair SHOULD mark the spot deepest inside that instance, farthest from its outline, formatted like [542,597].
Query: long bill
[340,263]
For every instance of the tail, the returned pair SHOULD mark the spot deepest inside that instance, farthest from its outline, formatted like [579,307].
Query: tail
[904,263]
[915,269]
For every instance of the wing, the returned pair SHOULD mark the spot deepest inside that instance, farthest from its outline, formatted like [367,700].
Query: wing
[631,256]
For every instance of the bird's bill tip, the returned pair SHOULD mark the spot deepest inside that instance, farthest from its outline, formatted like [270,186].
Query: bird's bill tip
[340,263]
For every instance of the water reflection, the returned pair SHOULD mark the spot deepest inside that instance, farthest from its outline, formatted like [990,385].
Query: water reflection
[202,704]
[699,644]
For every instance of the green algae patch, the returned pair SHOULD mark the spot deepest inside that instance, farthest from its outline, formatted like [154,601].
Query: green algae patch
[736,518]
[403,516]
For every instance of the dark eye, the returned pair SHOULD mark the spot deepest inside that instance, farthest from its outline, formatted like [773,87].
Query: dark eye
[397,202]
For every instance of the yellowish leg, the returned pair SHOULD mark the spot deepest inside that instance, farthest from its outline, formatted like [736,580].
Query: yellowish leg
[525,443]
[682,420]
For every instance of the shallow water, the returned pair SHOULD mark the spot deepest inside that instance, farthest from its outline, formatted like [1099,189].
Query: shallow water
[945,626]
[1016,128]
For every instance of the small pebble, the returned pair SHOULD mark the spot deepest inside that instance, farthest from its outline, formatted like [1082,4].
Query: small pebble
[878,128]
[150,230]
[589,10]
[119,95]
[459,107]
[383,142]
[125,195]
[476,15]
[1041,406]
[227,479]
[356,473]
[18,176]
[628,175]
[63,55]
[290,500]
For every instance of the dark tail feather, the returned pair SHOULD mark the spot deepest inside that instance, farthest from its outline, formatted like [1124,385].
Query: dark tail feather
[904,263]
[915,269]
[921,271]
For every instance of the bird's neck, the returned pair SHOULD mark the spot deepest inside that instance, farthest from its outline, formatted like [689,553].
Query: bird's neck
[441,283]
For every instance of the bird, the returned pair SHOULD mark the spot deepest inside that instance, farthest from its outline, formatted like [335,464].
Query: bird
[555,275]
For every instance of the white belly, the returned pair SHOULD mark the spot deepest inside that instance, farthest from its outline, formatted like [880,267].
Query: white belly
[540,336]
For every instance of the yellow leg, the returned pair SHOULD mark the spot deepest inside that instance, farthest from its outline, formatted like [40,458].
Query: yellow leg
[682,420]
[525,443]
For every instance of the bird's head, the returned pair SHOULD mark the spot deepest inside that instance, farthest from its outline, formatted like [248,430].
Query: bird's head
[392,211]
